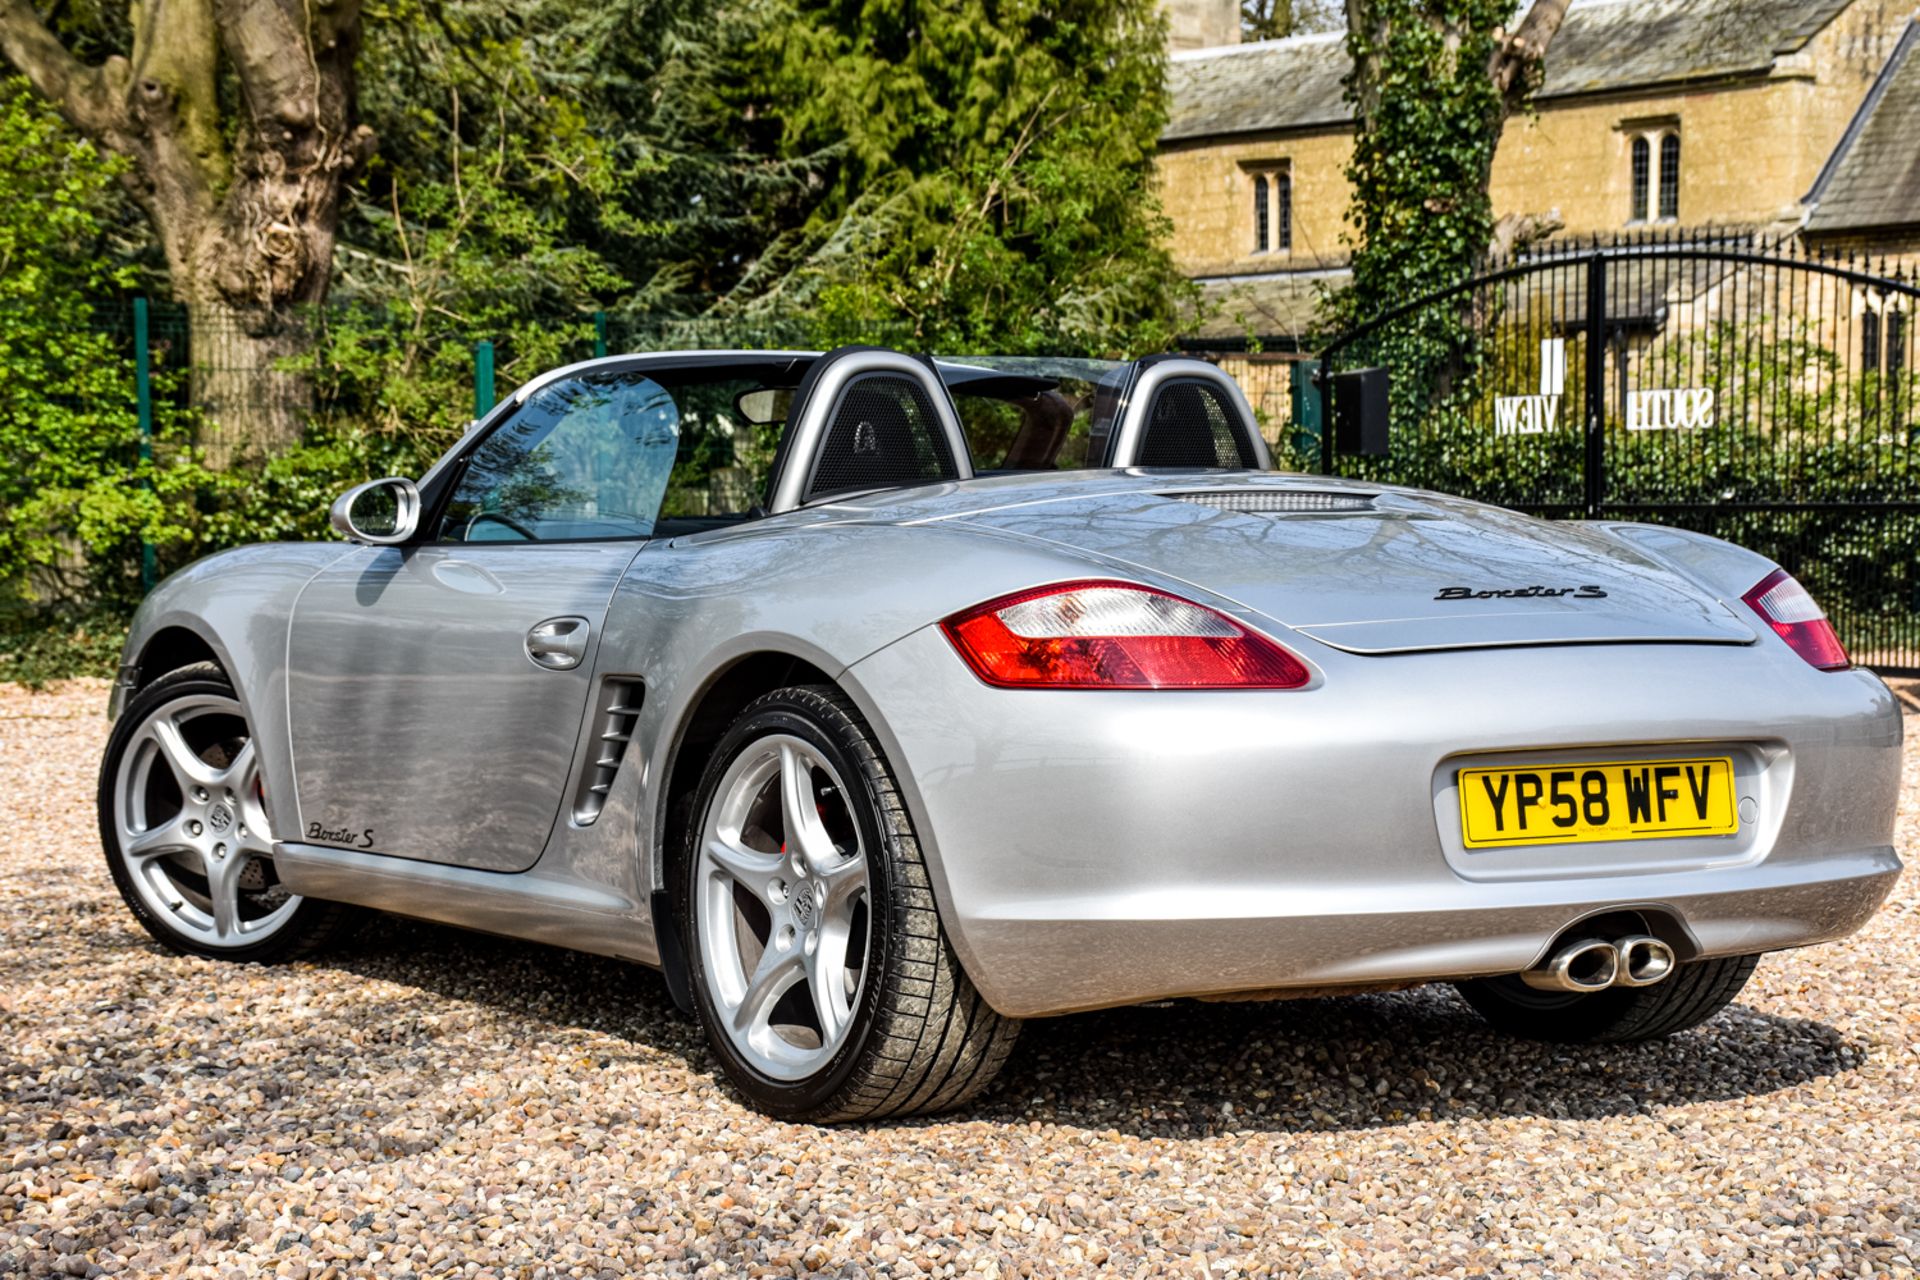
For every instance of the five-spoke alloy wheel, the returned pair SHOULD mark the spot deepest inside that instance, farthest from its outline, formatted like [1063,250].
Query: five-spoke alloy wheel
[826,984]
[782,897]
[183,819]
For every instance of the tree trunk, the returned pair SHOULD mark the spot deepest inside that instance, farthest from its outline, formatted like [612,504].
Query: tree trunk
[252,407]
[245,209]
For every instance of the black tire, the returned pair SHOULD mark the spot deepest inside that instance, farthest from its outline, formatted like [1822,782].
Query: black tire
[306,927]
[921,1039]
[1618,1015]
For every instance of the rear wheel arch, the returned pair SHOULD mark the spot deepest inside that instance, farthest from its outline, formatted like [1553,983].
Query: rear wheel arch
[917,1035]
[698,732]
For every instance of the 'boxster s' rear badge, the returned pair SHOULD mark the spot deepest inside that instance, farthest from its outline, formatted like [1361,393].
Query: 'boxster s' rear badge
[1520,593]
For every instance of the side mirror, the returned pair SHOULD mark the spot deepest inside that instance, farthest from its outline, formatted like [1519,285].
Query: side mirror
[379,512]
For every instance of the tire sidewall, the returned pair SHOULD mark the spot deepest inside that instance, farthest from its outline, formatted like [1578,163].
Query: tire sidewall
[202,679]
[1696,992]
[1555,1017]
[785,713]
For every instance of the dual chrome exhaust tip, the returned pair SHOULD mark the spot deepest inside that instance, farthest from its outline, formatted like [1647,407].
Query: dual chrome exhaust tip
[1594,964]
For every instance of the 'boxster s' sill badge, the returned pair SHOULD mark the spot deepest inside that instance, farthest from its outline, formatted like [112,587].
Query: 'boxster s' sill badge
[1520,593]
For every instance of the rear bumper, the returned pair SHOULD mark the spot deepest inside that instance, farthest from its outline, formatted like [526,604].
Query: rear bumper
[1093,952]
[1093,849]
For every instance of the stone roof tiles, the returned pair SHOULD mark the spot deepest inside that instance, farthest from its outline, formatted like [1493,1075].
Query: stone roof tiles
[1249,88]
[1873,179]
[1605,46]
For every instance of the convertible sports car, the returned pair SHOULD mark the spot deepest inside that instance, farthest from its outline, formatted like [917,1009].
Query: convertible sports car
[883,702]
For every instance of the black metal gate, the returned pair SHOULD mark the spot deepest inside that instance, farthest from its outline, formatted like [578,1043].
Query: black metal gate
[1753,393]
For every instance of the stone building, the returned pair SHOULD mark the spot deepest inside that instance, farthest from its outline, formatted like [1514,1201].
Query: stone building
[1866,200]
[1734,114]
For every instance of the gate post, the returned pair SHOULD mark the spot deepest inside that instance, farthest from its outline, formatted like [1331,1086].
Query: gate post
[483,400]
[1596,388]
[1325,378]
[143,411]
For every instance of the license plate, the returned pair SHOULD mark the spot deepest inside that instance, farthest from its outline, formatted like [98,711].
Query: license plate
[1580,803]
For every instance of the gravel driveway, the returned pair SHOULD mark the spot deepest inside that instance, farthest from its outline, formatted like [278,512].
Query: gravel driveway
[434,1103]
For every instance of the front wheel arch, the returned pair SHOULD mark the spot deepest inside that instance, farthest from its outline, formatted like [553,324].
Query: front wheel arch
[233,839]
[173,647]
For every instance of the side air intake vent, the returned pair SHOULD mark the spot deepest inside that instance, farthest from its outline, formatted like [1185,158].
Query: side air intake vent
[1276,502]
[619,711]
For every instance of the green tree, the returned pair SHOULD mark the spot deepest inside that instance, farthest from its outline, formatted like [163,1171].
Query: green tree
[76,495]
[235,119]
[1432,87]
[978,174]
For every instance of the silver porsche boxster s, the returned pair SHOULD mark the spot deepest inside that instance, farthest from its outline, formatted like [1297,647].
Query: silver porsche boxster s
[883,702]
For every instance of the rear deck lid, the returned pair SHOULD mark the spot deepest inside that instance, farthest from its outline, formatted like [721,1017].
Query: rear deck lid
[1379,571]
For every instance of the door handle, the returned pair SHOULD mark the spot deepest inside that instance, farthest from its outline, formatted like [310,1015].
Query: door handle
[558,644]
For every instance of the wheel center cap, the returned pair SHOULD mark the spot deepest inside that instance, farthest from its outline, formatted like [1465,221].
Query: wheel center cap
[804,907]
[219,818]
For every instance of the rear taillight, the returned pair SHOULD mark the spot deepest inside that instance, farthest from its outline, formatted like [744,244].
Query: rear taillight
[1115,635]
[1789,609]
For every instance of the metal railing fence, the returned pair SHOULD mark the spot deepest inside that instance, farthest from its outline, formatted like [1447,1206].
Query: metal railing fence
[1748,390]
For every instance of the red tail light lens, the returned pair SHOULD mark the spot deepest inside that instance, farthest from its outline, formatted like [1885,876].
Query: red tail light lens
[1115,635]
[1791,610]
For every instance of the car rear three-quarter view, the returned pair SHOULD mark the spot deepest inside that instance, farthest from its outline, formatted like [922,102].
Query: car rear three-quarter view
[884,702]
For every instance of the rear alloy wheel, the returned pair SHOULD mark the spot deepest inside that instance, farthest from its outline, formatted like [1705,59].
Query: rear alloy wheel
[820,970]
[183,820]
[1618,1015]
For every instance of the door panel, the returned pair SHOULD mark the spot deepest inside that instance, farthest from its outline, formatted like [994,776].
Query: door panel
[421,725]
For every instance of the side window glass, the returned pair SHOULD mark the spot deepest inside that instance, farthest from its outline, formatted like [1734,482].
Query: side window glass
[730,430]
[585,459]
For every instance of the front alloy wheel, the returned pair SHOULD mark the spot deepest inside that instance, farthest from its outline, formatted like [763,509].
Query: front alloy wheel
[820,970]
[183,819]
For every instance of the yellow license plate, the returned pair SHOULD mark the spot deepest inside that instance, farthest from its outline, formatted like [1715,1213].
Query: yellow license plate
[1580,803]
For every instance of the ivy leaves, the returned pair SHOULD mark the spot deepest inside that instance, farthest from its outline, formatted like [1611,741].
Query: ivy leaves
[1427,120]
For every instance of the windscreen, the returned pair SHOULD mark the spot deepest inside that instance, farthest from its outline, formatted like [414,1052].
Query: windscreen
[620,454]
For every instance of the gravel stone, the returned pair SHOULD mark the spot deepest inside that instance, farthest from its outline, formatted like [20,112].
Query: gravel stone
[425,1102]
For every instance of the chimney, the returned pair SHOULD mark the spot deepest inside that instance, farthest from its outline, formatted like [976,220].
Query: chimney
[1201,24]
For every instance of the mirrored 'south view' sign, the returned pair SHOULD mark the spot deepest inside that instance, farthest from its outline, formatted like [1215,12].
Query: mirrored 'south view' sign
[1667,409]
[1689,410]
[1538,414]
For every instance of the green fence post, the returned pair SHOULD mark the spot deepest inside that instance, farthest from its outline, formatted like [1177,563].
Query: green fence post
[599,335]
[1306,409]
[143,407]
[482,378]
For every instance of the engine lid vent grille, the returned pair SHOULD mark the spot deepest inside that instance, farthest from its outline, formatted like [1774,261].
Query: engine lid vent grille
[618,711]
[1276,502]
